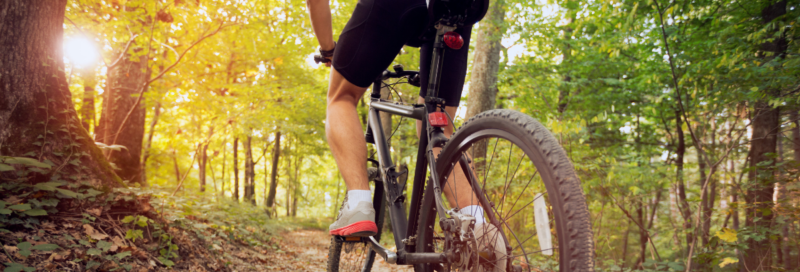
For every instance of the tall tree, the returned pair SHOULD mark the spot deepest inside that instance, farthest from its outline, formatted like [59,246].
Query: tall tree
[37,117]
[485,66]
[765,128]
[273,186]
[248,170]
[486,63]
[123,85]
[236,168]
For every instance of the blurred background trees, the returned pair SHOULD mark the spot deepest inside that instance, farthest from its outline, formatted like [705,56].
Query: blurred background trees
[680,116]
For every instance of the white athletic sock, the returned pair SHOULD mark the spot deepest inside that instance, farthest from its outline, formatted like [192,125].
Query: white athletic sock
[476,211]
[355,196]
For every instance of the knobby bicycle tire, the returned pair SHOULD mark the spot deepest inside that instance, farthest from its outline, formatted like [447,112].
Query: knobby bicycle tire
[575,244]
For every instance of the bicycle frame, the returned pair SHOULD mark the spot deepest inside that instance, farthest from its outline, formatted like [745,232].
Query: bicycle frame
[404,229]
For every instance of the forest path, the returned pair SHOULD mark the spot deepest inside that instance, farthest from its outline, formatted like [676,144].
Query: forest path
[307,250]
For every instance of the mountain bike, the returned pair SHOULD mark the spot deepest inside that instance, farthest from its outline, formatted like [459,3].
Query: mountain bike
[516,169]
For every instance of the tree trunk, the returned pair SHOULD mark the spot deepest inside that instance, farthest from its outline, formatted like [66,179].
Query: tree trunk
[146,156]
[276,154]
[123,83]
[485,66]
[683,204]
[701,165]
[236,168]
[765,128]
[36,107]
[563,93]
[224,162]
[204,159]
[248,168]
[625,245]
[640,212]
[87,104]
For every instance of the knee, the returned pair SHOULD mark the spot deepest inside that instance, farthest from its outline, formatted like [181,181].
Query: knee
[343,96]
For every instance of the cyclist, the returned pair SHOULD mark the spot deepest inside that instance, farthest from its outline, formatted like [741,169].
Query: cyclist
[371,39]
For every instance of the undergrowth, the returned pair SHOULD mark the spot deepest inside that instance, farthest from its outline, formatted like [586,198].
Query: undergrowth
[68,226]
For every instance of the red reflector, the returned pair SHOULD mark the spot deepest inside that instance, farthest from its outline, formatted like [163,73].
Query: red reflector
[437,119]
[453,40]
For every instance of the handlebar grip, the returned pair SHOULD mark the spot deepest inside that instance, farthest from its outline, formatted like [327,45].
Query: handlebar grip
[318,59]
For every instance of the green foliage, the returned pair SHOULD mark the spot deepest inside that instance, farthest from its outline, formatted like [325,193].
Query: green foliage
[606,62]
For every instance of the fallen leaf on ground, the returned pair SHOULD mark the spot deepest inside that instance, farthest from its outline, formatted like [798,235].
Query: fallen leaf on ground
[11,249]
[95,211]
[94,233]
[49,225]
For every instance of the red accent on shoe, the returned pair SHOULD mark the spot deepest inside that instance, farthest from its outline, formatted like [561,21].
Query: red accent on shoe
[359,228]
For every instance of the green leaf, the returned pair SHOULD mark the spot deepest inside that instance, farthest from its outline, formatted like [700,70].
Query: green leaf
[92,192]
[15,267]
[21,207]
[105,246]
[24,249]
[92,264]
[128,219]
[25,161]
[49,186]
[5,211]
[67,193]
[727,235]
[122,255]
[132,234]
[6,167]
[727,261]
[24,245]
[46,247]
[94,251]
[36,212]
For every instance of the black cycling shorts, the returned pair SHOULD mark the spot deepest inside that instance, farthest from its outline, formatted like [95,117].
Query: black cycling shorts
[377,31]
[374,35]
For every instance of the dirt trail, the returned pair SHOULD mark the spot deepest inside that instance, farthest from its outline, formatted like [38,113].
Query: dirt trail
[307,250]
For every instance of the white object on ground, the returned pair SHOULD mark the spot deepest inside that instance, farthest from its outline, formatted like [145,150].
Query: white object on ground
[542,225]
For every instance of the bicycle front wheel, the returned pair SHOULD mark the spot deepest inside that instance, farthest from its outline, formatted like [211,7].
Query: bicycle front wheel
[528,189]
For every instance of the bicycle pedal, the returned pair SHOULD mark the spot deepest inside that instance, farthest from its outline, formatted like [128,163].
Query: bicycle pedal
[349,239]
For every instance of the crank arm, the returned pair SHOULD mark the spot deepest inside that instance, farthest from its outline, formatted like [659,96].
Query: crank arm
[387,254]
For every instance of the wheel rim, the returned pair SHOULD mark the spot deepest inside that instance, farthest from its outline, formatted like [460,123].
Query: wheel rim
[509,178]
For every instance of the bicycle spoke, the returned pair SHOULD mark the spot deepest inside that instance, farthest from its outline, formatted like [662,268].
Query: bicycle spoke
[529,203]
[486,168]
[523,189]
[505,182]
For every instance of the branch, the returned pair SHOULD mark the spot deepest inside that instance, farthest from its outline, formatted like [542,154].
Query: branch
[147,84]
[194,157]
[122,54]
[628,214]
[698,144]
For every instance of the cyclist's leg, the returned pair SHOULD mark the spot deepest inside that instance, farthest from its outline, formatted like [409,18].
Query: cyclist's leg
[346,140]
[459,193]
[344,132]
